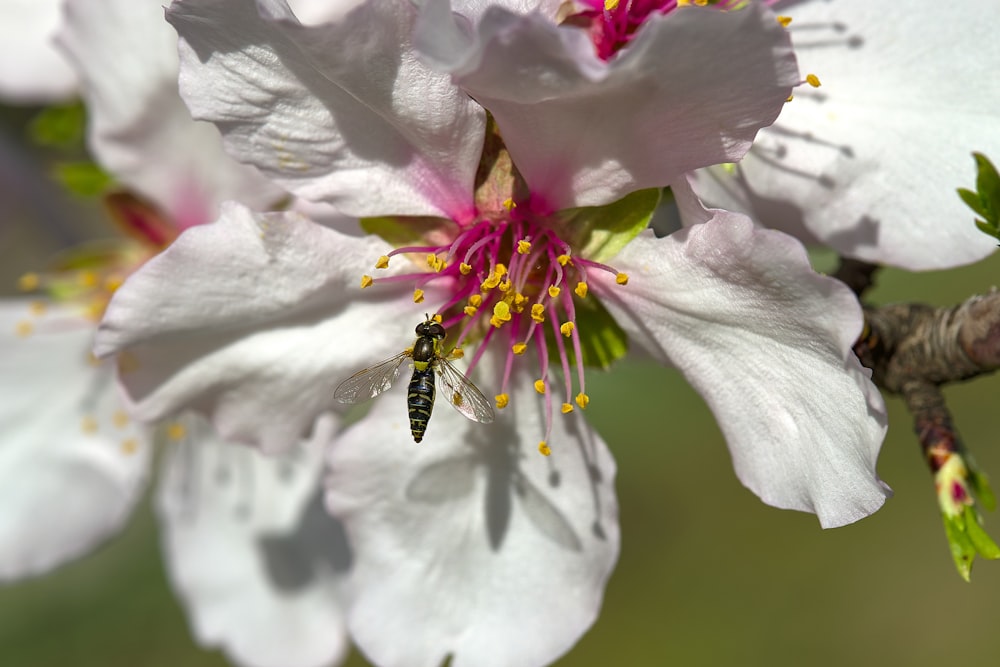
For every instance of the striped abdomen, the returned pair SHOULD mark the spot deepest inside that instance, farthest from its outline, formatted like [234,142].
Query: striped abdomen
[420,401]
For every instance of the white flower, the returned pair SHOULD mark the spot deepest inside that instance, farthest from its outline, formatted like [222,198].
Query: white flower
[869,162]
[255,319]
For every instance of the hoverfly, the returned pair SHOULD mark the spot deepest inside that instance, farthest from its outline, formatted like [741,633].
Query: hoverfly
[428,360]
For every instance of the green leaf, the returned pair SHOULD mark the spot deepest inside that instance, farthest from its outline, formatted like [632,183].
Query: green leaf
[983,543]
[600,232]
[972,200]
[962,550]
[980,484]
[986,200]
[988,229]
[403,231]
[988,185]
[602,341]
[82,178]
[59,126]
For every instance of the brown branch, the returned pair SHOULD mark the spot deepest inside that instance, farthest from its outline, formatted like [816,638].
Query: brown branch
[913,349]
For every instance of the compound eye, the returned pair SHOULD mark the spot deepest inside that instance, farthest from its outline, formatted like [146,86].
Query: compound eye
[436,330]
[422,329]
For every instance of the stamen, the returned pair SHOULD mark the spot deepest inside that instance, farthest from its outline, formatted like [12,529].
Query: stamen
[813,80]
[418,296]
[784,21]
[383,262]
[502,400]
[566,329]
[176,431]
[621,279]
[544,449]
[581,289]
[366,281]
[29,282]
[518,348]
[540,386]
[523,247]
[538,313]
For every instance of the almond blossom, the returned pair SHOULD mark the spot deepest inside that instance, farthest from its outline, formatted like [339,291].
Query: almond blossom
[868,163]
[527,240]
[247,546]
[32,70]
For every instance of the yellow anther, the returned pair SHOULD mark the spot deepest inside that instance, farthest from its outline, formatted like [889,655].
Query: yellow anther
[457,353]
[88,425]
[504,286]
[24,328]
[38,308]
[130,446]
[476,300]
[509,204]
[119,419]
[383,262]
[470,310]
[437,318]
[176,431]
[581,289]
[790,98]
[610,5]
[501,314]
[518,348]
[563,260]
[622,279]
[465,269]
[28,282]
[683,3]
[582,400]
[523,247]
[491,282]
[519,301]
[432,259]
[366,281]
[544,449]
[540,386]
[554,291]
[502,400]
[566,328]
[784,21]
[813,80]
[113,281]
[418,295]
[538,313]
[567,408]
[87,279]
[701,3]
[501,270]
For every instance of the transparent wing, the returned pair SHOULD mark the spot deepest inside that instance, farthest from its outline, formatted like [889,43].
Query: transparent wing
[370,382]
[462,394]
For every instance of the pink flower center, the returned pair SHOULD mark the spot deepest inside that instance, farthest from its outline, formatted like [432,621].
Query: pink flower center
[512,279]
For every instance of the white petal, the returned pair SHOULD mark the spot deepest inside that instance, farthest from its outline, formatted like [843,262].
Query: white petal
[767,343]
[251,552]
[869,162]
[140,130]
[363,126]
[254,320]
[472,543]
[32,70]
[72,466]
[691,90]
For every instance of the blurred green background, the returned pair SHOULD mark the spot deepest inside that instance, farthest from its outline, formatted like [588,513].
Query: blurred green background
[708,575]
